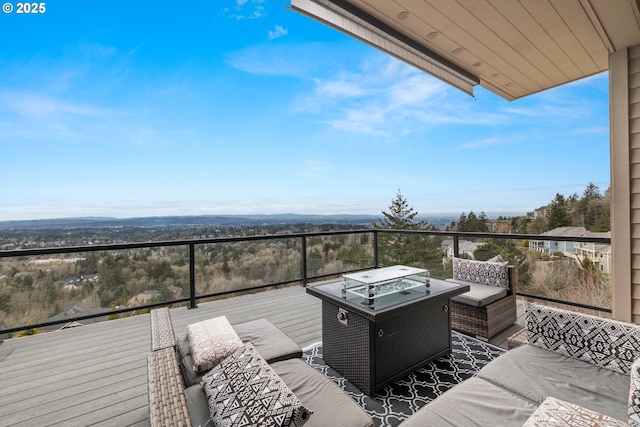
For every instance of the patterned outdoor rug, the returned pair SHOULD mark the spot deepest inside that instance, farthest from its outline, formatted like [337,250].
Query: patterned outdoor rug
[401,399]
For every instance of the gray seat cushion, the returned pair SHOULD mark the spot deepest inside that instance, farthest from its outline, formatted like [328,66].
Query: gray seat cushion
[474,402]
[272,344]
[198,406]
[330,405]
[480,295]
[535,374]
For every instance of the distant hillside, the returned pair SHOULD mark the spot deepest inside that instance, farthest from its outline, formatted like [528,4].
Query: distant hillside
[186,221]
[199,221]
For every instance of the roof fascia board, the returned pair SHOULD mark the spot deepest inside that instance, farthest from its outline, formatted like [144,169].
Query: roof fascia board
[593,17]
[354,22]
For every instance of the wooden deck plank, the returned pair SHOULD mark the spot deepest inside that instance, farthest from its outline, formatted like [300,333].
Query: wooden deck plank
[25,395]
[81,403]
[135,418]
[23,369]
[291,309]
[108,405]
[96,374]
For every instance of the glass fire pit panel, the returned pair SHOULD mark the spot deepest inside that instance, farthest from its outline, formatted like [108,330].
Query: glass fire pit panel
[384,281]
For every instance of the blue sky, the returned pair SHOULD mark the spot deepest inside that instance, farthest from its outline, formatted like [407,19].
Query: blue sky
[145,108]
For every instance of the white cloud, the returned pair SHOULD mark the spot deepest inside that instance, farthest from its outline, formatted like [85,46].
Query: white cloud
[450,113]
[364,122]
[26,115]
[414,90]
[339,88]
[592,130]
[551,111]
[247,9]
[388,98]
[484,142]
[277,32]
[37,106]
[273,60]
[316,169]
[97,50]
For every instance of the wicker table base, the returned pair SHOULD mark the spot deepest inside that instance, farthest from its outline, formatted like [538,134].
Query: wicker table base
[373,347]
[372,354]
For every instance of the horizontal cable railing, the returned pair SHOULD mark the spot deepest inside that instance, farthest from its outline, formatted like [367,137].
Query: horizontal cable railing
[365,244]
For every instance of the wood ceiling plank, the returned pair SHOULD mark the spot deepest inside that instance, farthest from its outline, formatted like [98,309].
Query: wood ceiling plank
[515,45]
[556,27]
[466,31]
[544,49]
[424,19]
[515,91]
[527,43]
[577,18]
[472,17]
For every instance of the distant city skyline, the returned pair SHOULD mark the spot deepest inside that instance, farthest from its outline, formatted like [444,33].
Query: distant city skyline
[244,107]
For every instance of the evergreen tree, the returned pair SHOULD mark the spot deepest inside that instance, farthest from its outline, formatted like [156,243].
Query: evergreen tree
[401,216]
[473,223]
[592,211]
[487,250]
[603,221]
[407,249]
[590,207]
[462,221]
[558,213]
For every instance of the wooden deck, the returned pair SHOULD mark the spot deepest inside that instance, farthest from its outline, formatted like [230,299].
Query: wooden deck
[96,374]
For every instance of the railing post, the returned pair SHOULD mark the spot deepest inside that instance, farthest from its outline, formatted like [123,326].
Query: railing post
[192,276]
[375,248]
[456,245]
[304,261]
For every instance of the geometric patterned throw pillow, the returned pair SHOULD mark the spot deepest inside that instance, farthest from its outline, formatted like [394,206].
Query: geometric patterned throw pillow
[634,395]
[558,413]
[483,272]
[606,343]
[211,341]
[243,390]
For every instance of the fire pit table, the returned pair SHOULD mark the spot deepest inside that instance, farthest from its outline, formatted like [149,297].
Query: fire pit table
[380,325]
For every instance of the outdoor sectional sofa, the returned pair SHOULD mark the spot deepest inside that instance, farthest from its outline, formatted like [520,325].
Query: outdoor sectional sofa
[574,366]
[177,398]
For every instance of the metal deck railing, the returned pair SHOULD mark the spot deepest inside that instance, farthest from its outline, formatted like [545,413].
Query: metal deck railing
[308,268]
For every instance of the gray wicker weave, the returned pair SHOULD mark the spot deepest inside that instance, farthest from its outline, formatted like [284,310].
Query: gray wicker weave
[378,346]
[490,320]
[374,353]
[162,335]
[167,402]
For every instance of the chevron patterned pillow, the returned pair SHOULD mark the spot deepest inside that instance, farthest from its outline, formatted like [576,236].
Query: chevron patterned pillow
[483,272]
[610,344]
[243,390]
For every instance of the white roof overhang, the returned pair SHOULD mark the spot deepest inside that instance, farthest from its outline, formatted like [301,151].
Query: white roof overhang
[371,31]
[511,47]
